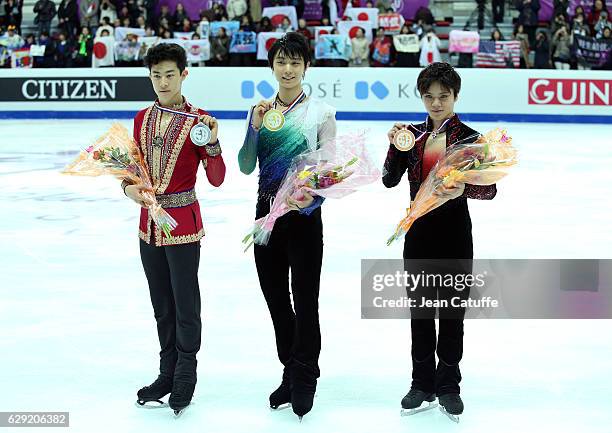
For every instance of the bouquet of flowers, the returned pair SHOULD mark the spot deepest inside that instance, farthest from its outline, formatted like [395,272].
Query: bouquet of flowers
[116,154]
[483,162]
[310,175]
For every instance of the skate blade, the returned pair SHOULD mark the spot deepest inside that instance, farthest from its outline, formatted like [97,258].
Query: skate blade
[454,418]
[178,413]
[151,404]
[280,407]
[410,412]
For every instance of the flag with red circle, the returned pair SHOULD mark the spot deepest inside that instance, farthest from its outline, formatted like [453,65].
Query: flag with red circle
[350,28]
[103,52]
[363,14]
[265,40]
[278,13]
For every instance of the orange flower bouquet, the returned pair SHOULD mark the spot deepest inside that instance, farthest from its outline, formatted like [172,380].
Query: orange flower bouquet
[483,162]
[116,154]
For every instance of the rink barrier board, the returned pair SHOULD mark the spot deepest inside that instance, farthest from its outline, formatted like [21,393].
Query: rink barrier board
[356,93]
[340,115]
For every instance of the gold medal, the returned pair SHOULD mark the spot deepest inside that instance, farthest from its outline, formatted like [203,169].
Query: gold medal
[273,120]
[404,140]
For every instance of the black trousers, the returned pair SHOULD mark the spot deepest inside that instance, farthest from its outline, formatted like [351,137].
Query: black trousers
[443,234]
[172,273]
[296,245]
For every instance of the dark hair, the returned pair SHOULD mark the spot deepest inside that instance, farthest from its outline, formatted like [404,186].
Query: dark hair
[163,52]
[293,45]
[442,73]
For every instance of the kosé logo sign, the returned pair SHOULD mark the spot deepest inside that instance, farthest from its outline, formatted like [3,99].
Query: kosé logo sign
[543,91]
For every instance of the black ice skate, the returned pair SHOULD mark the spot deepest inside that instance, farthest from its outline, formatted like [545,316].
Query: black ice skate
[413,401]
[182,392]
[149,397]
[451,406]
[303,387]
[281,397]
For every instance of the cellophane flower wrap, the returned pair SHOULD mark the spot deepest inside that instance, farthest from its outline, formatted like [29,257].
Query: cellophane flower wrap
[115,153]
[324,173]
[483,162]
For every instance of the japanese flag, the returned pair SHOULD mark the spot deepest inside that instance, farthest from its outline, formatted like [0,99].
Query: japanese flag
[103,52]
[278,13]
[363,14]
[350,28]
[265,40]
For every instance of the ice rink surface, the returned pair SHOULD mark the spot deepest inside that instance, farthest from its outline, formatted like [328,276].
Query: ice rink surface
[78,332]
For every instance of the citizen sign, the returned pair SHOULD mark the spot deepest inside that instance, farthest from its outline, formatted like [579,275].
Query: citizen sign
[543,91]
[71,89]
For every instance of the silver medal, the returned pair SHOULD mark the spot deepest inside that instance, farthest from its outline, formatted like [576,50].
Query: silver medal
[200,134]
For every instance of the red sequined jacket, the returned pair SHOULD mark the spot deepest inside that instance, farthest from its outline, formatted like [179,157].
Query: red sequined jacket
[398,162]
[173,169]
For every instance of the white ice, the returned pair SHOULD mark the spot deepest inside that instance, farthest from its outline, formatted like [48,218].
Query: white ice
[78,332]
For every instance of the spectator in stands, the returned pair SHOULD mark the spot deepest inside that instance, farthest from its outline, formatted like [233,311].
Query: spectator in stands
[45,11]
[561,7]
[498,11]
[521,36]
[579,10]
[84,49]
[219,48]
[285,26]
[167,34]
[360,50]
[236,9]
[141,23]
[579,26]
[602,24]
[380,50]
[255,10]
[164,13]
[381,5]
[133,11]
[164,22]
[561,45]
[303,29]
[219,12]
[63,51]
[430,48]
[265,25]
[325,21]
[125,22]
[105,27]
[496,35]
[12,40]
[186,26]
[30,40]
[528,17]
[599,6]
[48,60]
[108,9]
[245,24]
[417,28]
[405,60]
[424,14]
[88,11]
[542,51]
[149,32]
[606,34]
[161,30]
[14,14]
[179,16]
[68,18]
[558,22]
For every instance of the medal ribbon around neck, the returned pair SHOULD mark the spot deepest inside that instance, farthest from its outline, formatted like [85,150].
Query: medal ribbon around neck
[433,133]
[200,134]
[295,102]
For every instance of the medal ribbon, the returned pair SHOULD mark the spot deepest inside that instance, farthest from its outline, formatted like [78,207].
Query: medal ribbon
[295,102]
[169,110]
[434,133]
